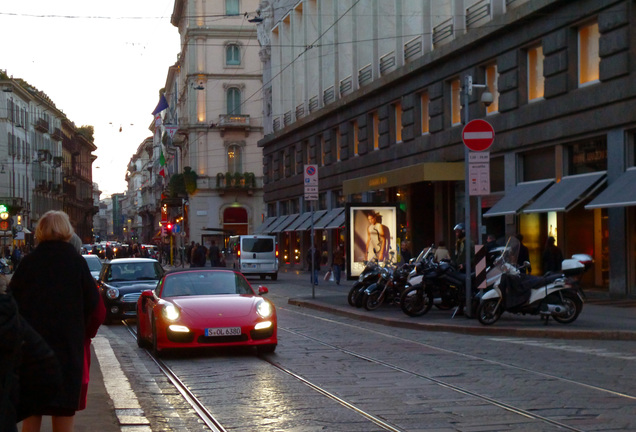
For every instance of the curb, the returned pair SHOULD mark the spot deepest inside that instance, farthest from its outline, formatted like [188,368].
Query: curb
[480,330]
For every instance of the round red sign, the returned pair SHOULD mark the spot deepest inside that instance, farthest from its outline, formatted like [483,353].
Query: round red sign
[478,135]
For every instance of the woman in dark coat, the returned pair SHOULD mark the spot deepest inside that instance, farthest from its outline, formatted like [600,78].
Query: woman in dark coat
[57,295]
[552,257]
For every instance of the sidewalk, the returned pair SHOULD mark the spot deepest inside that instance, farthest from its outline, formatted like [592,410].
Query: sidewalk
[602,318]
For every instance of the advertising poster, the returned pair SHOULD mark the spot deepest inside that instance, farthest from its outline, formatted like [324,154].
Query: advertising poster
[371,235]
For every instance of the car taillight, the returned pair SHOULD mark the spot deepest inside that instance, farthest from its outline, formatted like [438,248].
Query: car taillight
[277,250]
[238,251]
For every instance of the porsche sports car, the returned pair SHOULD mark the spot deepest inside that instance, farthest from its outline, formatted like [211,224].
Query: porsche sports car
[202,307]
[121,282]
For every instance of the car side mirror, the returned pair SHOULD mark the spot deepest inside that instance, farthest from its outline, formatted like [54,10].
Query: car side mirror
[262,290]
[145,295]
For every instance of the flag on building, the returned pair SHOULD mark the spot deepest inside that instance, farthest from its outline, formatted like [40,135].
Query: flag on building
[162,162]
[162,105]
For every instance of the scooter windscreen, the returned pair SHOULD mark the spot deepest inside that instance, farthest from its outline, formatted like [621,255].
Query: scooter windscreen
[510,252]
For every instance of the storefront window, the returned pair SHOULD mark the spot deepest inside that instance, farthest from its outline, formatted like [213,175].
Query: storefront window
[538,165]
[589,156]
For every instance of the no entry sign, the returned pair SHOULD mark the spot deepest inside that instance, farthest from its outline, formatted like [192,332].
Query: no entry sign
[478,135]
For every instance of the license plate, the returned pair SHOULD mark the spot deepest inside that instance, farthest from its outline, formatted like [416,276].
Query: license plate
[223,331]
[249,265]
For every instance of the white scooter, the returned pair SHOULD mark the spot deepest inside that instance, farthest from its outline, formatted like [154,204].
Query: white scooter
[552,295]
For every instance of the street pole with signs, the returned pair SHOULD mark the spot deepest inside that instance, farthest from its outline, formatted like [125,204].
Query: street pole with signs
[477,136]
[311,194]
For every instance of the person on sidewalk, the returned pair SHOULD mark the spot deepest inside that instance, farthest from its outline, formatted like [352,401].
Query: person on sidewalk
[57,296]
[441,253]
[214,254]
[313,256]
[337,262]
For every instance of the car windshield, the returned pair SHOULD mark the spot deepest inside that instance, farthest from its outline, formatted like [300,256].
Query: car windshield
[205,283]
[94,264]
[133,271]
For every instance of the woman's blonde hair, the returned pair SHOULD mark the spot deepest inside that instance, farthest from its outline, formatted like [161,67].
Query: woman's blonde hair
[54,225]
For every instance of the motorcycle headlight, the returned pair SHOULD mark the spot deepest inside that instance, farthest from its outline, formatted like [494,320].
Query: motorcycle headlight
[112,293]
[170,312]
[264,309]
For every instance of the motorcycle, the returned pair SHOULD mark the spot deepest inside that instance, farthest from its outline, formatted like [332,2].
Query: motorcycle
[388,288]
[441,285]
[5,266]
[555,295]
[368,276]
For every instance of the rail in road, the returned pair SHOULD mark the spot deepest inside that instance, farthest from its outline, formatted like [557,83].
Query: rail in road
[291,375]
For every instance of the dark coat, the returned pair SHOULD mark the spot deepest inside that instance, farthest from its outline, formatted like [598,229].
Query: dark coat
[29,371]
[316,256]
[57,295]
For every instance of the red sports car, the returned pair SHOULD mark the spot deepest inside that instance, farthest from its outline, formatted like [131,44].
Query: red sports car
[205,308]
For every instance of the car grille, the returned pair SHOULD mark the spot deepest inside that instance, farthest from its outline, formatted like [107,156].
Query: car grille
[221,339]
[262,334]
[130,298]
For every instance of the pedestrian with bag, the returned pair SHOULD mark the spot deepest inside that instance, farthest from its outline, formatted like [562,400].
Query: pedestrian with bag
[57,296]
[313,258]
[337,263]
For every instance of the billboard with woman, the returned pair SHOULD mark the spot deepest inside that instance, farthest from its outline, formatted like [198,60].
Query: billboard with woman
[371,235]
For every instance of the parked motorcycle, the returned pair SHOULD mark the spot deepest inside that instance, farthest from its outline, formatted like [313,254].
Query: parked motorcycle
[389,287]
[368,276]
[5,266]
[552,295]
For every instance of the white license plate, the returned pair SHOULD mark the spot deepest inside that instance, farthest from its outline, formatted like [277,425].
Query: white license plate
[223,331]
[250,265]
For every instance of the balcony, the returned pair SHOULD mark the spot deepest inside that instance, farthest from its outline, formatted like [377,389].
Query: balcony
[57,134]
[237,181]
[41,125]
[234,122]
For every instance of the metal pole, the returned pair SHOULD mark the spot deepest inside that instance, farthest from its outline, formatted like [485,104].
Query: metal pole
[467,307]
[313,253]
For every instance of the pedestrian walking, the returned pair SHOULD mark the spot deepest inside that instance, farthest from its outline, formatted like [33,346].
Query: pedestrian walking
[214,254]
[337,262]
[524,255]
[57,296]
[313,257]
[552,256]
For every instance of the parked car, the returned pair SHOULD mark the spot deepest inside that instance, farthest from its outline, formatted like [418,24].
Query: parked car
[253,255]
[94,265]
[193,308]
[121,282]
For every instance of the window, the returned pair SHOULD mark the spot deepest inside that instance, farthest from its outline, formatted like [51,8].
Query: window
[397,117]
[356,140]
[321,143]
[589,59]
[292,160]
[536,81]
[233,101]
[306,153]
[375,124]
[336,134]
[232,55]
[456,102]
[492,76]
[425,118]
[234,162]
[231,7]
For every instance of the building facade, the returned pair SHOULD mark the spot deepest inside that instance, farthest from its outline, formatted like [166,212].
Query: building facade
[376,94]
[213,93]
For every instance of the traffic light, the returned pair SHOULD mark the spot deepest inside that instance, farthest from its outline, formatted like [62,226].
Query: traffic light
[169,228]
[4,218]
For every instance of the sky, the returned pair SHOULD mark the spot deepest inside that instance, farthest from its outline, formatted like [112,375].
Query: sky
[101,63]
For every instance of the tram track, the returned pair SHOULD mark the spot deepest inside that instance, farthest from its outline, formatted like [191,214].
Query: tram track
[214,425]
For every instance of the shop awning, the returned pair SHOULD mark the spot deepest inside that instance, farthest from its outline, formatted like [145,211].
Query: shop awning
[284,223]
[307,224]
[300,220]
[620,193]
[262,229]
[518,197]
[427,171]
[326,219]
[338,222]
[566,194]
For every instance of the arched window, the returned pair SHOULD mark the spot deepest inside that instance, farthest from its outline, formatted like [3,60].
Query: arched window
[232,55]
[234,162]
[233,101]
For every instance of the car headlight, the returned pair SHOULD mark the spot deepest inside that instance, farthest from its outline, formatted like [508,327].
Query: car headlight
[170,312]
[264,309]
[112,293]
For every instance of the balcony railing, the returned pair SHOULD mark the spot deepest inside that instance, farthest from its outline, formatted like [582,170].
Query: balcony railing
[234,120]
[246,181]
[41,125]
[57,134]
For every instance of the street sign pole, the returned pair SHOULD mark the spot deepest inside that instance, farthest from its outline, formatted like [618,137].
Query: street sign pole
[311,194]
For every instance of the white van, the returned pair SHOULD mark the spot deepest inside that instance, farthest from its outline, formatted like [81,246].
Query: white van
[253,255]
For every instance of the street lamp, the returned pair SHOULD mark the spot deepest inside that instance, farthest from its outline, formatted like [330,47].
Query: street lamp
[486,99]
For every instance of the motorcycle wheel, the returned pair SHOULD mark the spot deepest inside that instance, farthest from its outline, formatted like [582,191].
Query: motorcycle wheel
[351,298]
[416,302]
[488,312]
[372,301]
[574,306]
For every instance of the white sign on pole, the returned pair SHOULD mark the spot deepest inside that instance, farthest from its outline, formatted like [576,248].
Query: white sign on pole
[479,173]
[311,182]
